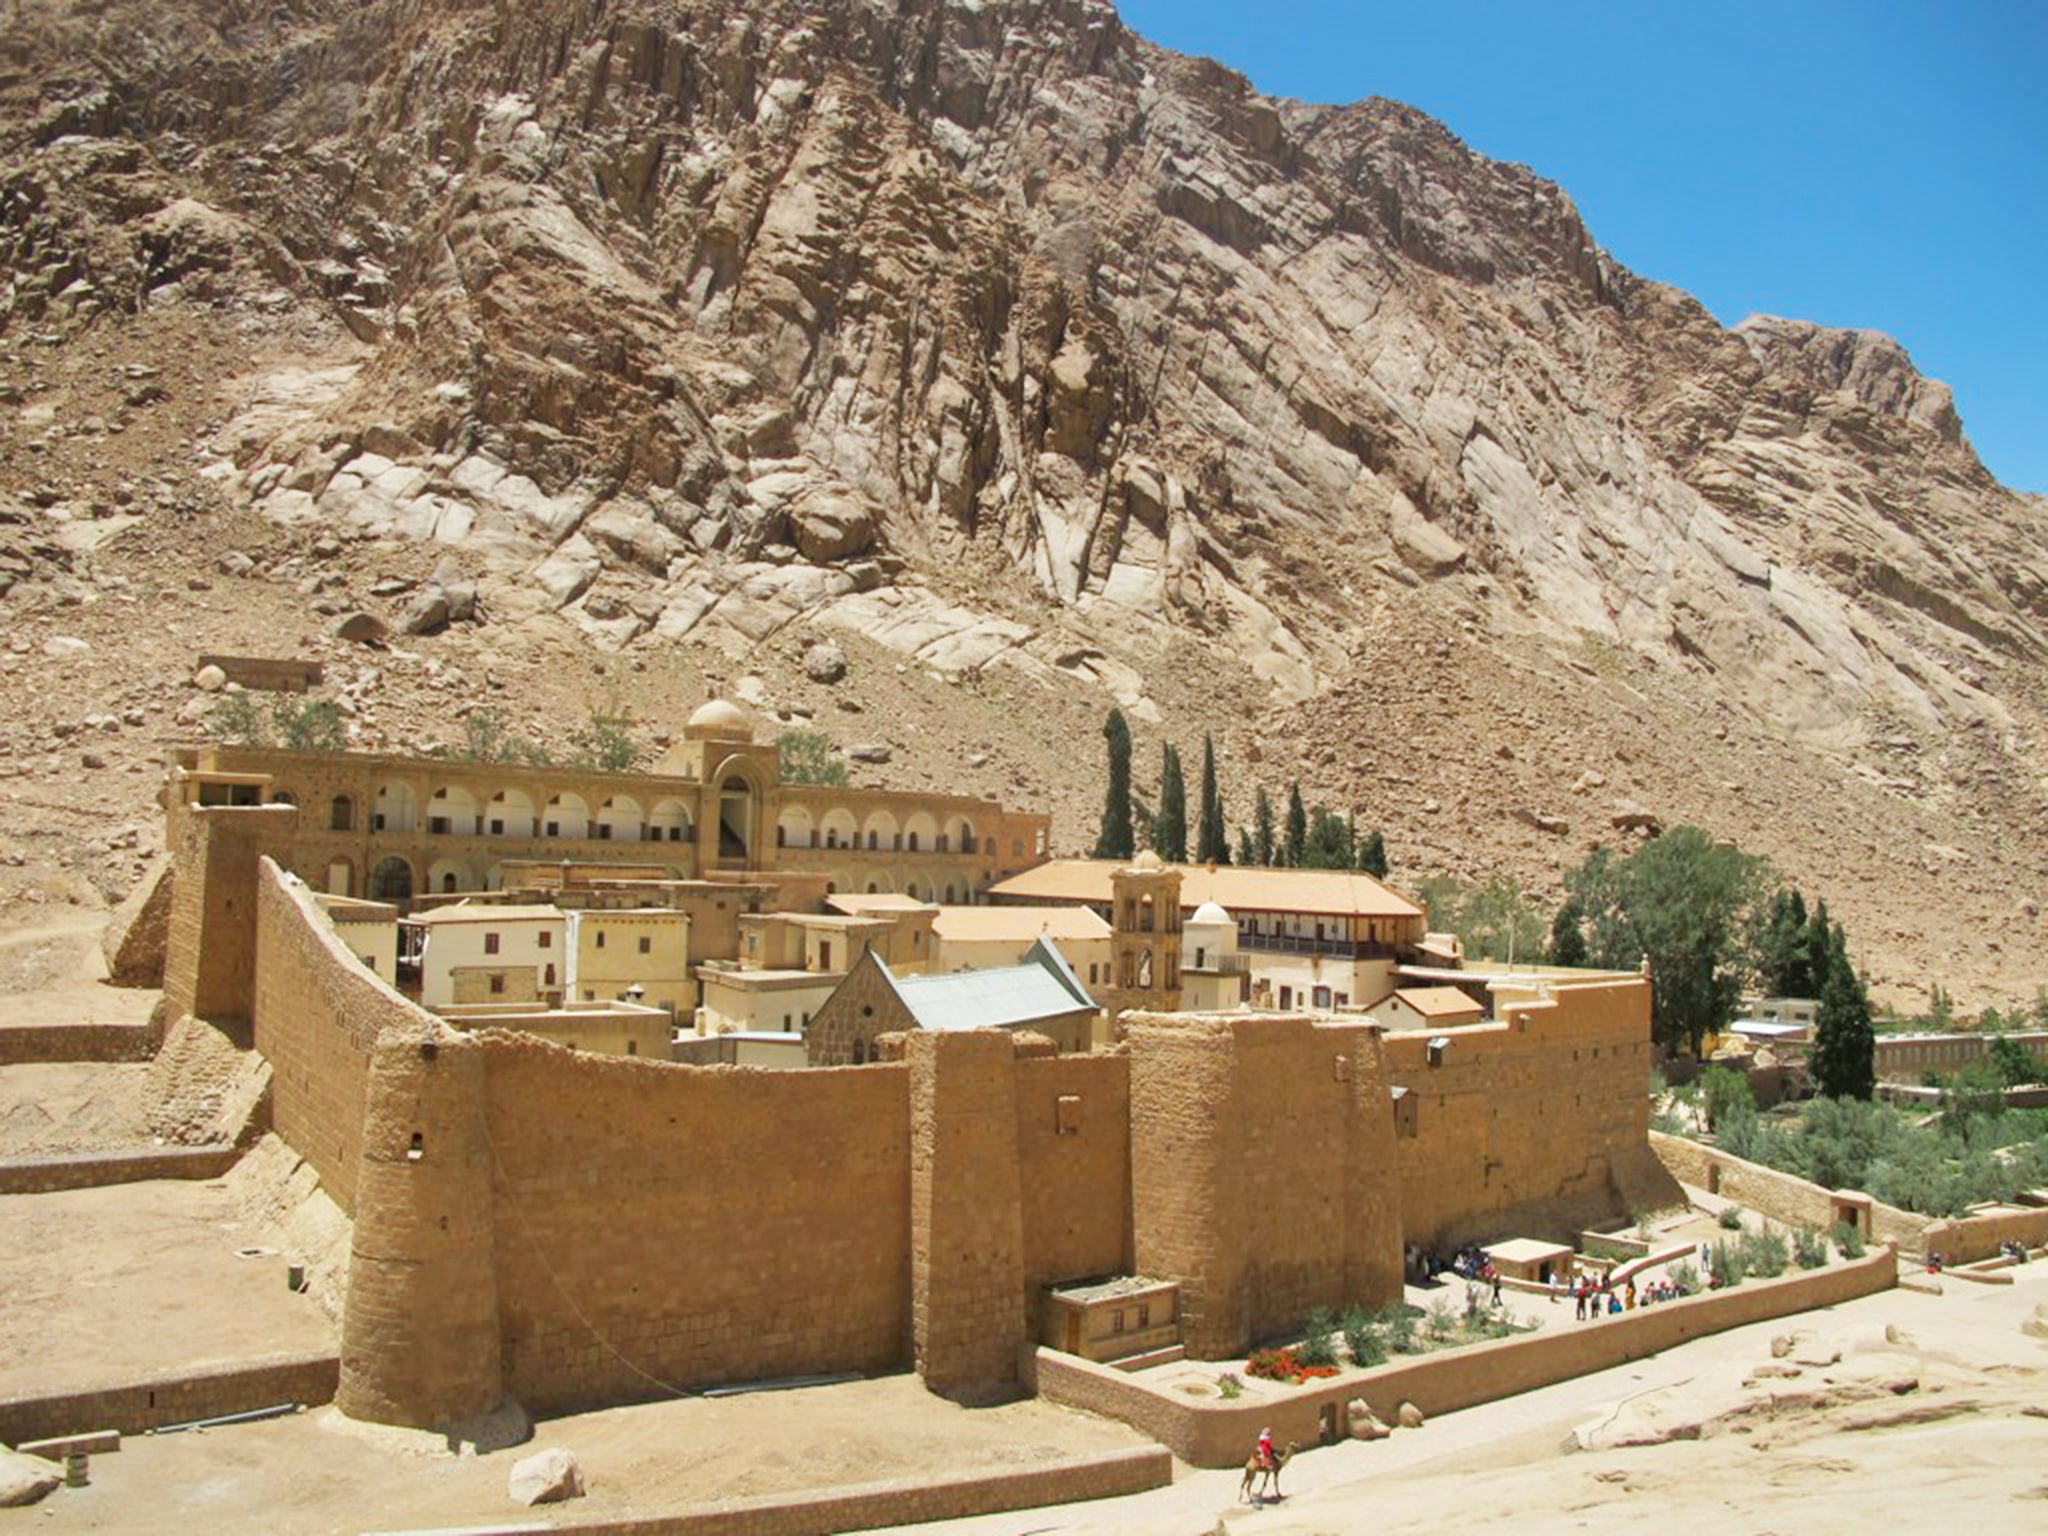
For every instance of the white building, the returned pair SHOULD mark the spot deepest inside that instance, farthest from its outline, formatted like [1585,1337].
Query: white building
[473,952]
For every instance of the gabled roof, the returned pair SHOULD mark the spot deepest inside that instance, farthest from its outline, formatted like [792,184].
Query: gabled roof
[1003,997]
[487,912]
[1437,1002]
[1323,892]
[1017,924]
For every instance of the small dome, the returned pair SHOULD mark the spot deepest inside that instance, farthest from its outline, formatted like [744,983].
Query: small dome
[1209,912]
[719,720]
[1148,860]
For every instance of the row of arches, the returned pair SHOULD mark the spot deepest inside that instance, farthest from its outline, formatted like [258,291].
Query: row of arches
[799,827]
[395,878]
[453,810]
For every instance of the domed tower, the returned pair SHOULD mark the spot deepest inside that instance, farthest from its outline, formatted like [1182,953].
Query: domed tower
[1215,976]
[738,776]
[1145,937]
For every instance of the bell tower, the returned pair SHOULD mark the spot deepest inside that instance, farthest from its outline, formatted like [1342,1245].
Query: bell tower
[1144,938]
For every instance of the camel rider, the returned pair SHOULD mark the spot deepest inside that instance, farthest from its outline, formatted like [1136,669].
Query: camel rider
[1266,1450]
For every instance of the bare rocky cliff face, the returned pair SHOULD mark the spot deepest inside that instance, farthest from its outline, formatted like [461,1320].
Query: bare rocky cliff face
[1010,344]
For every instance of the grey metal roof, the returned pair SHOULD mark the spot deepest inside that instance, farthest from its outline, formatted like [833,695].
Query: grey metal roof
[1004,997]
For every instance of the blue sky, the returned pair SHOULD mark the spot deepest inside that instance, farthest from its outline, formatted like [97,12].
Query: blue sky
[1882,163]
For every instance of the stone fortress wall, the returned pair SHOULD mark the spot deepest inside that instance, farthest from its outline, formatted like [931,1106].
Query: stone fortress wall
[574,1230]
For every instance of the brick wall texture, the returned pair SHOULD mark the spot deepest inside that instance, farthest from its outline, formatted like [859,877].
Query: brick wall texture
[1536,1125]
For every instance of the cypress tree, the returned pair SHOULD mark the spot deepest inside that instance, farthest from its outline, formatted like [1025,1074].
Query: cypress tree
[1212,841]
[1170,825]
[1567,938]
[1263,845]
[1115,840]
[1817,953]
[1246,853]
[1297,826]
[1844,1046]
[1372,856]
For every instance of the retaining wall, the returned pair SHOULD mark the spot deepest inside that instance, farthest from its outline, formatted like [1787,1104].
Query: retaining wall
[132,1407]
[869,1506]
[22,1043]
[89,1170]
[1221,1434]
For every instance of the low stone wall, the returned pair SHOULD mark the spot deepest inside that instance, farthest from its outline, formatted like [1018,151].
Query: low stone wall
[869,1506]
[22,1043]
[1220,1434]
[1796,1202]
[1966,1239]
[132,1407]
[89,1170]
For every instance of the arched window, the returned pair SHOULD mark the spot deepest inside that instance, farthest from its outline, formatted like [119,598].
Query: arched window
[391,881]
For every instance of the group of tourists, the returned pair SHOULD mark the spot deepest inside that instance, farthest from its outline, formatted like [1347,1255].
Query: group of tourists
[1468,1263]
[1593,1296]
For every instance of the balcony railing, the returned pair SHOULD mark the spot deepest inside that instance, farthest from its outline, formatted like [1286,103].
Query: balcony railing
[1296,944]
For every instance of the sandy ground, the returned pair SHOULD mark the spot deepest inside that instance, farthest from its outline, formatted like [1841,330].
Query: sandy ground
[1966,1448]
[110,1285]
[315,1474]
[52,972]
[48,1108]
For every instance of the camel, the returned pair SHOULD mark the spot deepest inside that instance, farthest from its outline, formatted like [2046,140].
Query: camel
[1254,1472]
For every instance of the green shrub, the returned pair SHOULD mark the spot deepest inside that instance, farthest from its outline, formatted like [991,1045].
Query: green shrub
[1730,1219]
[1764,1253]
[1318,1339]
[1809,1248]
[1727,1092]
[1849,1238]
[1229,1385]
[1362,1338]
[1730,1264]
[1686,1278]
[1443,1318]
[807,758]
[1399,1322]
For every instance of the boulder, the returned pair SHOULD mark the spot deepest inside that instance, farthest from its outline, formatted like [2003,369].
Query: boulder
[24,1479]
[426,614]
[64,647]
[209,679]
[868,752]
[362,628]
[830,525]
[1410,1416]
[235,563]
[1362,1423]
[825,662]
[546,1477]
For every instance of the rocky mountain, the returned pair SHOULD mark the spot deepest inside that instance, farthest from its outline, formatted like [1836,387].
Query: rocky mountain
[1041,366]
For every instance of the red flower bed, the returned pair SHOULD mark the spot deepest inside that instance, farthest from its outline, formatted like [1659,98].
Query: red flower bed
[1284,1365]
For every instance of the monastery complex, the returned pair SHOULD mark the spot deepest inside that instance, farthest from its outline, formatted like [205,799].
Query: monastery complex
[655,1081]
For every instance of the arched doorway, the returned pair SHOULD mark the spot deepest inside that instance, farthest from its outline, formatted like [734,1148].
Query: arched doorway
[735,819]
[391,880]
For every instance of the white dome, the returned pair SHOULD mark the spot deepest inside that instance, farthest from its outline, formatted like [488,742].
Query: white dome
[719,720]
[1209,912]
[1148,860]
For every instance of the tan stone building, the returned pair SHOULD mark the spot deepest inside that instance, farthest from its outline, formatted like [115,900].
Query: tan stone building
[1311,939]
[1426,1008]
[1042,995]
[983,938]
[391,828]
[633,954]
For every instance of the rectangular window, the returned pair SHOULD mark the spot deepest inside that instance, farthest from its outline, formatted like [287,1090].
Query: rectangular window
[1116,1321]
[497,826]
[825,957]
[547,940]
[646,944]
[497,984]
[490,943]
[554,829]
[600,938]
